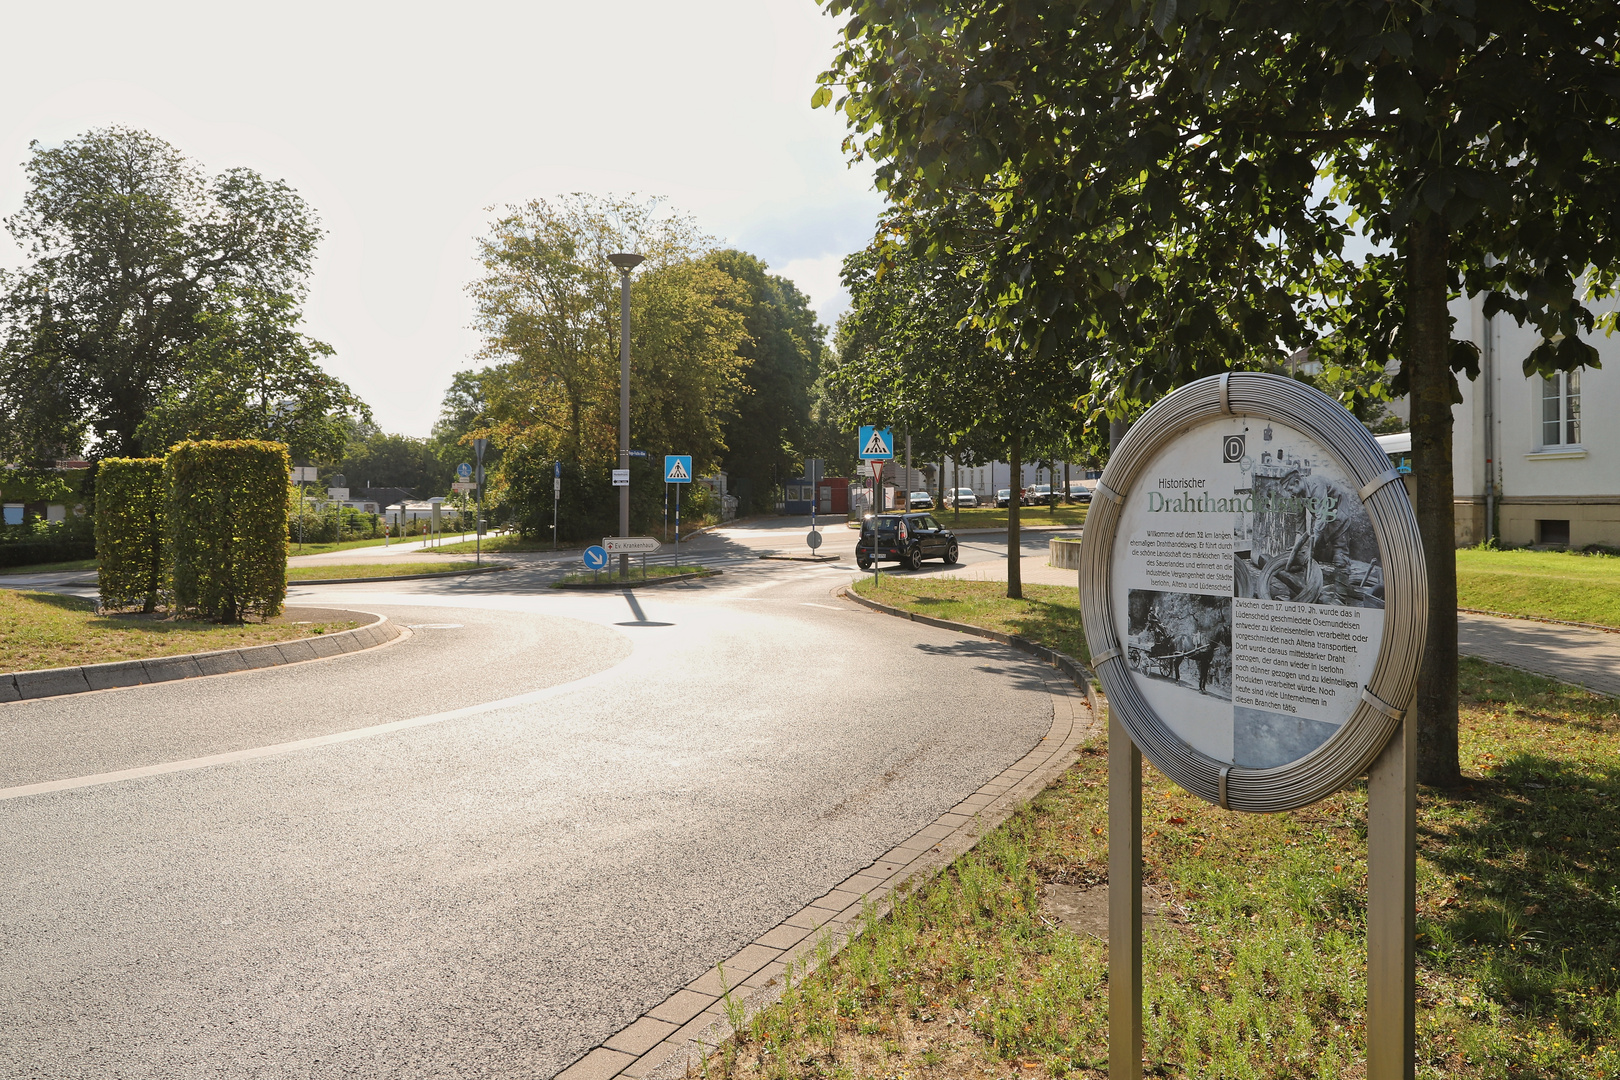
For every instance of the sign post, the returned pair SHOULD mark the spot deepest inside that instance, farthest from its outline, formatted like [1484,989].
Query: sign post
[875,445]
[677,471]
[556,497]
[479,446]
[1253,588]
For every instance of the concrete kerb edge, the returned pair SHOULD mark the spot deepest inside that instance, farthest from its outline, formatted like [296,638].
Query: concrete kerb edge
[617,585]
[402,577]
[124,674]
[918,858]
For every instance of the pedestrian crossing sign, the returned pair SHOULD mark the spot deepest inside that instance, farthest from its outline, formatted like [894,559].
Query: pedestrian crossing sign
[677,468]
[876,444]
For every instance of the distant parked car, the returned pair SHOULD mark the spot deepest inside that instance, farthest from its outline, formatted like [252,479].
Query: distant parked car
[1080,490]
[1039,495]
[1004,497]
[962,497]
[919,500]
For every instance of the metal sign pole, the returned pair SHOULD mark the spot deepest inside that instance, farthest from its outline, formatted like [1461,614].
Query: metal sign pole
[1391,907]
[677,526]
[1124,904]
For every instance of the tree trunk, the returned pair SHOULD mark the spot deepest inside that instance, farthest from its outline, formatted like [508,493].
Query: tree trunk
[1015,549]
[1432,387]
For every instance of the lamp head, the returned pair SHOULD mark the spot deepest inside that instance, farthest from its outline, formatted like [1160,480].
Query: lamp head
[626,261]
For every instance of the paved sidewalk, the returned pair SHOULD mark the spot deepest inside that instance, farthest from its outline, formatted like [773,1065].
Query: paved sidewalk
[1589,658]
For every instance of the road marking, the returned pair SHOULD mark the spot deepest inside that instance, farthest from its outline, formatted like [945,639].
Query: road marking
[336,737]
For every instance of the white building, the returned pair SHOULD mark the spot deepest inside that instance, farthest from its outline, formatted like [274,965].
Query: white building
[1537,454]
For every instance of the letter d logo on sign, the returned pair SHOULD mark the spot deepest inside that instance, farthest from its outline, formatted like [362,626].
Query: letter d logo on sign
[1232,448]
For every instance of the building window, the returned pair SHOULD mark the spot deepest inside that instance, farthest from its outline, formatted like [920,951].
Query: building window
[1561,409]
[1552,533]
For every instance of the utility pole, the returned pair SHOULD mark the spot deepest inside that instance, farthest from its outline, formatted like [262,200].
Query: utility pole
[626,262]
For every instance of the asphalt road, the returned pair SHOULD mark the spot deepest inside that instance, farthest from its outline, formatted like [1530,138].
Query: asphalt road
[513,832]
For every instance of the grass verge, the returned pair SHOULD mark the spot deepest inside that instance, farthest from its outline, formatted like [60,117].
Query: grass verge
[1049,614]
[47,630]
[1550,584]
[652,573]
[995,517]
[370,570]
[1259,967]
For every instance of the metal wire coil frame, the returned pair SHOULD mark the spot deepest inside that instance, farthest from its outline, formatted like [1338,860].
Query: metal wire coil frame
[1346,754]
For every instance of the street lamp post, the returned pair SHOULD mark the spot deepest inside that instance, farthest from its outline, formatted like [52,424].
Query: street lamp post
[626,262]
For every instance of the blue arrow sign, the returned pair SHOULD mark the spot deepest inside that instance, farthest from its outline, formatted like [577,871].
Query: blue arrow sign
[595,558]
[876,444]
[556,469]
[677,468]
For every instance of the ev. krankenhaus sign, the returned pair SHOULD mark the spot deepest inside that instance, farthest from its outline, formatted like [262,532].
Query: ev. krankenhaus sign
[1253,591]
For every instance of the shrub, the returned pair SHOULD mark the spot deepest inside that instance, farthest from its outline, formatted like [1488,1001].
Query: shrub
[227,528]
[130,503]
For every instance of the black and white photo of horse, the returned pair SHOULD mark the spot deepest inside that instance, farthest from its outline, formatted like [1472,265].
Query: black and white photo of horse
[1184,638]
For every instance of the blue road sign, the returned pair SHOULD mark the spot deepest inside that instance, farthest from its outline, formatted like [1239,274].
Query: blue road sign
[463,471]
[677,468]
[556,469]
[638,453]
[876,444]
[595,558]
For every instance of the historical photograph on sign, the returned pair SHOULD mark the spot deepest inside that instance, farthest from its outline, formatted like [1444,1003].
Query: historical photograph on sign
[1184,638]
[1307,539]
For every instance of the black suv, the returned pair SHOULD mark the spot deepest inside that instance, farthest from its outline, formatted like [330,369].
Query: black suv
[906,538]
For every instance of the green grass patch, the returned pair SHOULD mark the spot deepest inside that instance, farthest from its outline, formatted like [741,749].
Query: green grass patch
[1049,614]
[504,542]
[995,517]
[295,548]
[1549,584]
[47,630]
[1260,968]
[374,570]
[637,574]
[49,568]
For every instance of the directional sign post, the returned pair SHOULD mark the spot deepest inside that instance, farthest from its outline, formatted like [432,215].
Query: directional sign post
[595,559]
[556,497]
[677,470]
[631,545]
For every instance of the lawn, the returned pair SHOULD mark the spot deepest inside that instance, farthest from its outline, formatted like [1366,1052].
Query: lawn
[47,630]
[1259,968]
[504,542]
[1048,613]
[374,570]
[1549,584]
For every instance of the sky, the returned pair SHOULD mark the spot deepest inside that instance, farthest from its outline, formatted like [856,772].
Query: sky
[403,125]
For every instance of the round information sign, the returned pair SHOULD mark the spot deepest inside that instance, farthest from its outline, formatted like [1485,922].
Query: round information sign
[1253,591]
[813,539]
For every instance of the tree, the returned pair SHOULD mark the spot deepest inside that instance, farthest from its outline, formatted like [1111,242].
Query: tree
[381,460]
[127,244]
[771,431]
[548,305]
[908,353]
[1473,139]
[253,375]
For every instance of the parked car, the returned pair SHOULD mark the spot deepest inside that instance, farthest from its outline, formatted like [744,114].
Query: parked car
[1004,497]
[919,500]
[962,497]
[1039,495]
[1080,490]
[904,538]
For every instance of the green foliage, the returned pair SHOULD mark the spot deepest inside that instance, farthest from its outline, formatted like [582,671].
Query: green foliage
[131,499]
[26,485]
[771,432]
[424,467]
[313,523]
[128,246]
[227,528]
[253,375]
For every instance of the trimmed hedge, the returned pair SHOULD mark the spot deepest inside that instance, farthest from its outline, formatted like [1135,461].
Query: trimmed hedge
[34,552]
[227,518]
[130,502]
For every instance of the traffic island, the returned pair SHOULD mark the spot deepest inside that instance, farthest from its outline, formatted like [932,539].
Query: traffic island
[356,574]
[131,649]
[609,580]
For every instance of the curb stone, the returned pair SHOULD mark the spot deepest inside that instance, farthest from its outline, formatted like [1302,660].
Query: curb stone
[606,587]
[56,682]
[675,1037]
[399,577]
